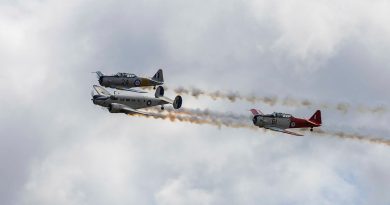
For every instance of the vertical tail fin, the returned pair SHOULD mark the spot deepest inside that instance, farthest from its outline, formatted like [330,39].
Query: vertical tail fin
[158,76]
[101,91]
[316,118]
[177,102]
[159,92]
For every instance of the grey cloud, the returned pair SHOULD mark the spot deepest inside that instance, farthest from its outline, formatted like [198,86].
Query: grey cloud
[59,148]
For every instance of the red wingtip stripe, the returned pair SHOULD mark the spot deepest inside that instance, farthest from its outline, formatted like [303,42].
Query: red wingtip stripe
[256,112]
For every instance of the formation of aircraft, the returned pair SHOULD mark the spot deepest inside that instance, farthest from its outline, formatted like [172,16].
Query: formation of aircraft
[128,104]
[128,81]
[280,122]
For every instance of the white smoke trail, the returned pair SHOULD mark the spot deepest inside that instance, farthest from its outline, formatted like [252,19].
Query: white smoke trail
[231,120]
[363,138]
[273,100]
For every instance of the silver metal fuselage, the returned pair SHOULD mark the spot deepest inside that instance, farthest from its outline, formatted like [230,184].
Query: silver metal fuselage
[135,102]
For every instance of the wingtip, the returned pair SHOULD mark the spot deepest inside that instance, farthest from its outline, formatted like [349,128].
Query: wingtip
[255,111]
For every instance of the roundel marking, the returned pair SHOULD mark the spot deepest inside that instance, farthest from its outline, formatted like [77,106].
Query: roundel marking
[137,82]
[149,102]
[292,124]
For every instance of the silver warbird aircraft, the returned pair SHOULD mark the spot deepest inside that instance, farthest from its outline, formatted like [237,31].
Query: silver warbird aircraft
[130,104]
[127,81]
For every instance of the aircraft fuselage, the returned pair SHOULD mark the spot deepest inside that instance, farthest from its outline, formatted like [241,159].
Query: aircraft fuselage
[135,102]
[126,82]
[283,122]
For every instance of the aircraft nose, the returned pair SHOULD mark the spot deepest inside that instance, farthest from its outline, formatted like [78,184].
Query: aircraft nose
[95,99]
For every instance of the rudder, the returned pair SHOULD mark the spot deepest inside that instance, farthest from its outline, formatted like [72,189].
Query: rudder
[98,74]
[158,76]
[177,102]
[159,92]
[316,118]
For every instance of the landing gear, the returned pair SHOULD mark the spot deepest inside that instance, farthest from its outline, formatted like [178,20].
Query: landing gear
[162,107]
[154,87]
[311,129]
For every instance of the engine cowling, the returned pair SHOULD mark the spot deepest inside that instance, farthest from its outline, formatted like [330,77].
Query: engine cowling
[254,120]
[115,108]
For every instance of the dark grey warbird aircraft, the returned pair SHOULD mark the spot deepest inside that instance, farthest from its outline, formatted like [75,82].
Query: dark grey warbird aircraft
[130,104]
[127,81]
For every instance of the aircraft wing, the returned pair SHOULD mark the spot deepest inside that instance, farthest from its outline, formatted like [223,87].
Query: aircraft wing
[129,111]
[277,129]
[131,90]
[256,112]
[168,100]
[120,108]
[101,91]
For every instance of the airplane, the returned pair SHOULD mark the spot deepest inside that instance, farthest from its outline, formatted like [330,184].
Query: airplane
[279,122]
[130,104]
[126,81]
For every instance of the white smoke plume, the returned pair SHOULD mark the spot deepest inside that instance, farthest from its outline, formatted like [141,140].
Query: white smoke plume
[231,120]
[273,100]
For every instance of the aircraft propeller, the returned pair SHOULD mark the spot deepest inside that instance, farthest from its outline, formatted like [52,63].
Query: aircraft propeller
[254,120]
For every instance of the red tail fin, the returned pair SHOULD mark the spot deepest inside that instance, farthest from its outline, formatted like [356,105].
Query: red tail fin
[316,118]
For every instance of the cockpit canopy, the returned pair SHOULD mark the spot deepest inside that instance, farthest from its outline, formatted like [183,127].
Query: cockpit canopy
[126,75]
[279,114]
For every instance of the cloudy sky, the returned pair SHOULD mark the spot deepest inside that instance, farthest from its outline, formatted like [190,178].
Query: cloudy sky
[56,147]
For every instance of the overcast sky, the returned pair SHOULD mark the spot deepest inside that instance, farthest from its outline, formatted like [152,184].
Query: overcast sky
[56,147]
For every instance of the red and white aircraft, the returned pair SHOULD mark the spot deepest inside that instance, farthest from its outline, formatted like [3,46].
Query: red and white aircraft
[279,122]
